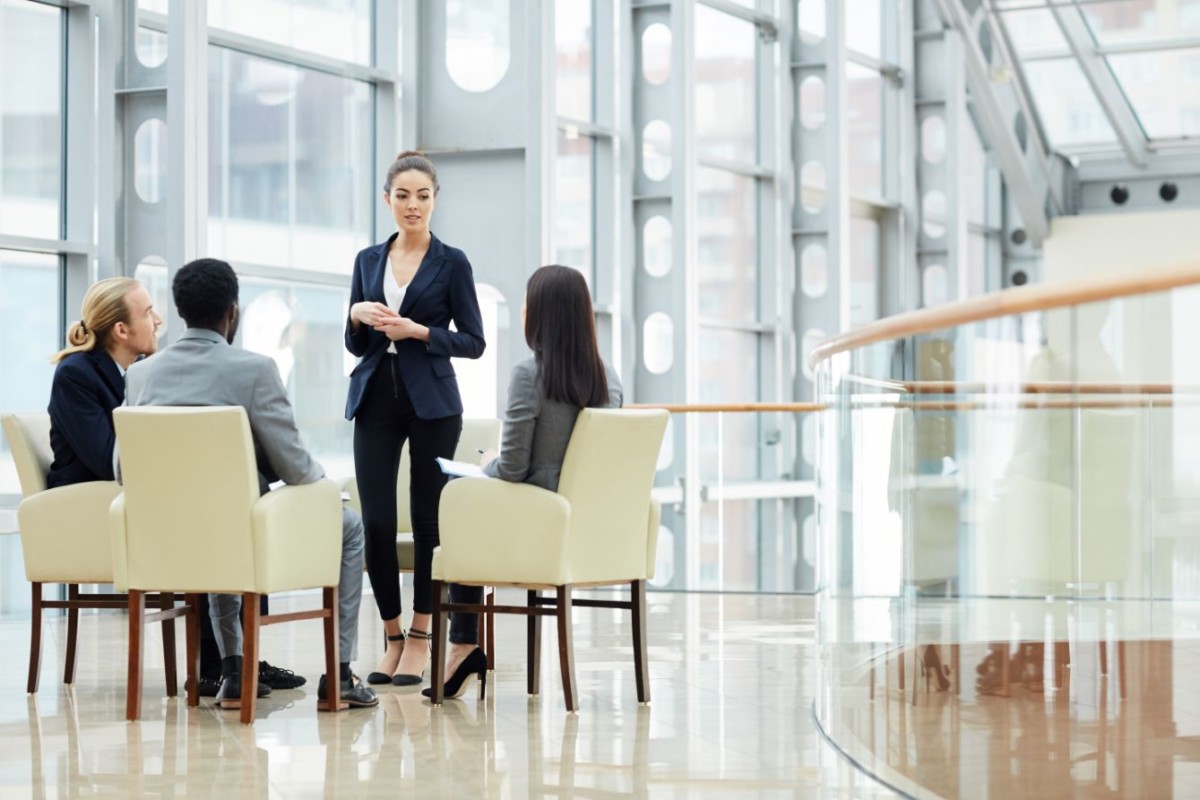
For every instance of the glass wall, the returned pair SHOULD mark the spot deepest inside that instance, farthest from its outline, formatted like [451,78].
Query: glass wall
[31,112]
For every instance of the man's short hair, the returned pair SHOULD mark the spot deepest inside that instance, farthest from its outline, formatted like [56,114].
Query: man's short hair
[204,290]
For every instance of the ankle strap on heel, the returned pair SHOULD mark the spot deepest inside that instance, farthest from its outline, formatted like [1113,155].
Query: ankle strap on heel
[413,633]
[399,637]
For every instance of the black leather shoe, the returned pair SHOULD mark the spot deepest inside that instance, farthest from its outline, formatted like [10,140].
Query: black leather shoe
[278,678]
[230,693]
[351,692]
[209,686]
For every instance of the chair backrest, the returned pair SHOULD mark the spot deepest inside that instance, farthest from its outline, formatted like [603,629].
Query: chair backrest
[29,439]
[190,488]
[607,476]
[481,433]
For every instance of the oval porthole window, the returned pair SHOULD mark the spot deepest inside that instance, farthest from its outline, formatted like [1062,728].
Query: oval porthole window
[150,160]
[656,246]
[814,271]
[658,343]
[933,285]
[656,150]
[477,42]
[933,139]
[151,47]
[810,21]
[656,53]
[812,102]
[933,214]
[812,187]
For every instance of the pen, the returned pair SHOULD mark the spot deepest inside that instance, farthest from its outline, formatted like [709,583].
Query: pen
[479,450]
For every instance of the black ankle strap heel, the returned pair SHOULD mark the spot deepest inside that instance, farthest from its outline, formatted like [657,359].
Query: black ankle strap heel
[404,679]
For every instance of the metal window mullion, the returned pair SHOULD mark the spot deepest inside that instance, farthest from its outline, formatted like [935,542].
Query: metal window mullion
[186,198]
[385,99]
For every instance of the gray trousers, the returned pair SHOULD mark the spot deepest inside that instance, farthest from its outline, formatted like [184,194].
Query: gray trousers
[224,609]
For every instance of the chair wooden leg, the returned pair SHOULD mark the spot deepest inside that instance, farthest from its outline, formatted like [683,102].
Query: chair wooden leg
[72,634]
[641,665]
[192,648]
[533,645]
[166,600]
[133,681]
[35,639]
[333,677]
[437,670]
[490,616]
[566,649]
[250,617]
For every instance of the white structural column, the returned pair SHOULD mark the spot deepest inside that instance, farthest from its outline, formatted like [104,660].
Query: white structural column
[187,134]
[820,217]
[941,119]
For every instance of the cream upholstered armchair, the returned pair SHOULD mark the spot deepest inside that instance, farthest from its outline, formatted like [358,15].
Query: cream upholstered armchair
[600,528]
[191,520]
[64,539]
[482,433]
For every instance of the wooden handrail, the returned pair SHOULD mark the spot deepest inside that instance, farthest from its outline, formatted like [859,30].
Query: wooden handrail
[732,408]
[1021,300]
[1027,387]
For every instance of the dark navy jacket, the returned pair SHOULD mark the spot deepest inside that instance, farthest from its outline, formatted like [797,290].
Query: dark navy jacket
[86,389]
[443,289]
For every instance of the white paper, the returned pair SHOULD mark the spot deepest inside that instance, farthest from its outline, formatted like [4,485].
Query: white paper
[460,469]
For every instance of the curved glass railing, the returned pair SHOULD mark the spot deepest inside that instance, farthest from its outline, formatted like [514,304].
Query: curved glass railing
[1008,517]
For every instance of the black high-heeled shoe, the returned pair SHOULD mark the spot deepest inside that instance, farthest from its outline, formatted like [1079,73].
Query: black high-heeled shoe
[407,679]
[377,678]
[473,666]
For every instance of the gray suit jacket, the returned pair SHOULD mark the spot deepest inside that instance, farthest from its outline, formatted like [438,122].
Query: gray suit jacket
[537,429]
[202,369]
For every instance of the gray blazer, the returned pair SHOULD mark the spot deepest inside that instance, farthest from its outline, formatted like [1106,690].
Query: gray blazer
[202,369]
[537,429]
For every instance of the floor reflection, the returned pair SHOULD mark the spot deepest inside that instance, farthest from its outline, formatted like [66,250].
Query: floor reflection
[732,680]
[1071,717]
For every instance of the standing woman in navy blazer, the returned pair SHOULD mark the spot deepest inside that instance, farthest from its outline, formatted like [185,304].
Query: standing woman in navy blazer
[405,293]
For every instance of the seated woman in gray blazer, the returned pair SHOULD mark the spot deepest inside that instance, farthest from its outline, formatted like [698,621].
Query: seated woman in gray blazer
[545,394]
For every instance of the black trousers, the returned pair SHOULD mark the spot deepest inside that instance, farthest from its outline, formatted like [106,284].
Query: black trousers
[385,420]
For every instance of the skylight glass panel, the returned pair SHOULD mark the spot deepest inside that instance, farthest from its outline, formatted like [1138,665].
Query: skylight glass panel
[1034,31]
[1123,21]
[1070,112]
[1164,89]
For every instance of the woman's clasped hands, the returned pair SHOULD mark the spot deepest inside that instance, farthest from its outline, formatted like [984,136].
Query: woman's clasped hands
[387,321]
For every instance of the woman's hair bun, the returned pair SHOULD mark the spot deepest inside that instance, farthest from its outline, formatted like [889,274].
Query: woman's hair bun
[411,153]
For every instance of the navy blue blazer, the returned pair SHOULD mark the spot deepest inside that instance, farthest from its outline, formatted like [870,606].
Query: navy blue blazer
[86,389]
[443,289]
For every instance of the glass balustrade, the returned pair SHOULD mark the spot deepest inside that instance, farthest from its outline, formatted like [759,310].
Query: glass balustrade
[1008,549]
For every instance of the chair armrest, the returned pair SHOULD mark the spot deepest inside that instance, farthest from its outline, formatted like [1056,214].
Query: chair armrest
[64,533]
[298,537]
[500,532]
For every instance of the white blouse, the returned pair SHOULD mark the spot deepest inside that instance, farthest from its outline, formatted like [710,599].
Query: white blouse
[393,293]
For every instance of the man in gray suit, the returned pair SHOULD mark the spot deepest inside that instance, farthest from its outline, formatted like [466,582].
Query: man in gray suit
[203,369]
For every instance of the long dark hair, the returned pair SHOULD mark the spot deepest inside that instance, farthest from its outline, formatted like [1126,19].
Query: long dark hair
[560,328]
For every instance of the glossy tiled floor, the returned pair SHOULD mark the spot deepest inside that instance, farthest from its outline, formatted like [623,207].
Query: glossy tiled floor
[732,681]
